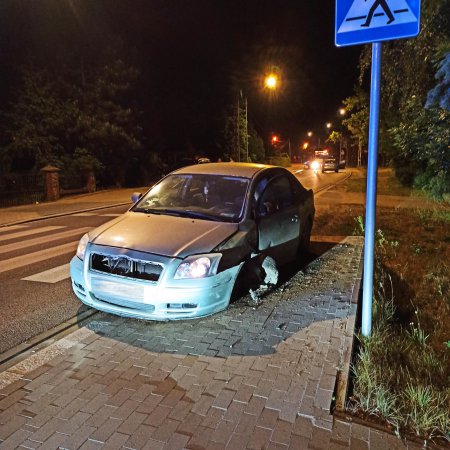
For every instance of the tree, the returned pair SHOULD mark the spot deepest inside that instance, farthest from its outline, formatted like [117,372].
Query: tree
[357,121]
[422,145]
[75,123]
[109,121]
[240,140]
[440,95]
[410,134]
[41,125]
[256,148]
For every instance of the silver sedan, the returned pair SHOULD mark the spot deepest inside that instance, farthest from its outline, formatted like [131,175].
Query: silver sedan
[186,244]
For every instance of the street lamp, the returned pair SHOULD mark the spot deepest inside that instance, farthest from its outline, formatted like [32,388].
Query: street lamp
[271,81]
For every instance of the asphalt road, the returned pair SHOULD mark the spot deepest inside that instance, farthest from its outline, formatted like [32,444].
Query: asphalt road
[36,293]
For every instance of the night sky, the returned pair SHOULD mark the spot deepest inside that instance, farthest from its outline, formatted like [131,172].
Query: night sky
[195,56]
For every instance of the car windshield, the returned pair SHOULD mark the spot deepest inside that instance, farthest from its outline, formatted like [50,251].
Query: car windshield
[202,196]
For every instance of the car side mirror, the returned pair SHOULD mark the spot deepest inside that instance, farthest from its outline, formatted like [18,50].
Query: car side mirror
[135,196]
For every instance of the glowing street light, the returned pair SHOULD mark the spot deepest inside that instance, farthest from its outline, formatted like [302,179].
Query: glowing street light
[271,81]
[329,125]
[310,133]
[342,111]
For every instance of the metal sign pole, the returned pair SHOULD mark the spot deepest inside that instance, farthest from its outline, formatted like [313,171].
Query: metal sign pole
[371,190]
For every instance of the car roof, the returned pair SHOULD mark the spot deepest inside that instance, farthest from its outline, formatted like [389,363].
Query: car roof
[234,169]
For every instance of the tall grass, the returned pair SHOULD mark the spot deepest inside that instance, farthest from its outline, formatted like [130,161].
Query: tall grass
[398,376]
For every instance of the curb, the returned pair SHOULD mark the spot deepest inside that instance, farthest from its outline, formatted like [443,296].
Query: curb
[67,213]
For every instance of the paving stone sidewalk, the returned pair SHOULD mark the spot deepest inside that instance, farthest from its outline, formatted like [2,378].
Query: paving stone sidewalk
[258,377]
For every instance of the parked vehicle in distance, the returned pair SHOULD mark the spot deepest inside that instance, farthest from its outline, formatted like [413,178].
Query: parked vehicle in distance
[203,160]
[190,161]
[184,245]
[316,165]
[329,164]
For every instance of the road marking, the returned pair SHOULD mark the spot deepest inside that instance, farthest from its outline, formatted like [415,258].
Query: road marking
[12,227]
[52,275]
[31,258]
[29,232]
[43,240]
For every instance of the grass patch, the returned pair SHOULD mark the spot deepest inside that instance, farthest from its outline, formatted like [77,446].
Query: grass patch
[402,372]
[387,184]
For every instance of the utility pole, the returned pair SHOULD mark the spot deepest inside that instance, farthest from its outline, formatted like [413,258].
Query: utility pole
[246,128]
[238,119]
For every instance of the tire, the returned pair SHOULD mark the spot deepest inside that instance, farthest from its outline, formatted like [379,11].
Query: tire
[256,275]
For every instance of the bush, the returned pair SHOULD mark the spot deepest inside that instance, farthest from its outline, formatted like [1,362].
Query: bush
[282,160]
[422,143]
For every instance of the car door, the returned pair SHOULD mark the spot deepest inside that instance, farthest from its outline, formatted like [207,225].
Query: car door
[277,219]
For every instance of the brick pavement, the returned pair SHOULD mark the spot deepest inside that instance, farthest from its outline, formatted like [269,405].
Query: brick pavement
[247,378]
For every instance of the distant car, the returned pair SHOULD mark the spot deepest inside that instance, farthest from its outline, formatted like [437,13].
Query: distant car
[203,160]
[183,246]
[190,161]
[316,165]
[330,164]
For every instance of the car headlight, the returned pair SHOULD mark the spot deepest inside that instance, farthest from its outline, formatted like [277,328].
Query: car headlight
[315,165]
[81,249]
[198,266]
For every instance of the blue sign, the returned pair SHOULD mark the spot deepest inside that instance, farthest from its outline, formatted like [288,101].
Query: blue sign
[365,21]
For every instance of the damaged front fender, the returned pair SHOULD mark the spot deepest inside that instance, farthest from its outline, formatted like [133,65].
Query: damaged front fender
[239,247]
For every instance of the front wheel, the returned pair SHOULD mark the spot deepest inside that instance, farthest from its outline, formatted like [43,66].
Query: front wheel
[257,276]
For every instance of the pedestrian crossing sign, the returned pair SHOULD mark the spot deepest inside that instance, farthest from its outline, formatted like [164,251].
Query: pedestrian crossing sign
[365,21]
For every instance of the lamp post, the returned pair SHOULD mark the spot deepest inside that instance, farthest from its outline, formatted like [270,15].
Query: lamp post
[238,125]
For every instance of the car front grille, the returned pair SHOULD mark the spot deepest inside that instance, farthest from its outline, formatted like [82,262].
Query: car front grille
[126,267]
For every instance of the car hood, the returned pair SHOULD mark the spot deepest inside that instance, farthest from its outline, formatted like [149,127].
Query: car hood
[162,234]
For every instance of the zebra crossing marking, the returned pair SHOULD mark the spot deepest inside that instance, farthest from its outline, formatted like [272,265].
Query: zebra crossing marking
[52,275]
[29,232]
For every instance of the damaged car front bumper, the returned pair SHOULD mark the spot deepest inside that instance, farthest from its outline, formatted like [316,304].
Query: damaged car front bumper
[149,294]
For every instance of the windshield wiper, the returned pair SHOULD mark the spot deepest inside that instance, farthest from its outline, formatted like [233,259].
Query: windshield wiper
[178,213]
[148,210]
[193,214]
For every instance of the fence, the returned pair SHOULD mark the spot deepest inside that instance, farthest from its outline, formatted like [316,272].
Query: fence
[48,184]
[20,189]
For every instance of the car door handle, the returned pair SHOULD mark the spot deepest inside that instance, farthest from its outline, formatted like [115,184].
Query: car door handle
[294,218]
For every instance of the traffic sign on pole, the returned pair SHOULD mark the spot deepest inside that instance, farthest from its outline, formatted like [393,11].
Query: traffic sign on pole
[362,22]
[366,21]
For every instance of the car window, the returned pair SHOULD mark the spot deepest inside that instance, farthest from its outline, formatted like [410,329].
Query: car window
[276,196]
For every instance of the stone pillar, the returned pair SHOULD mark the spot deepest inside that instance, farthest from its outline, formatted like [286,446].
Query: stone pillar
[91,184]
[51,183]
